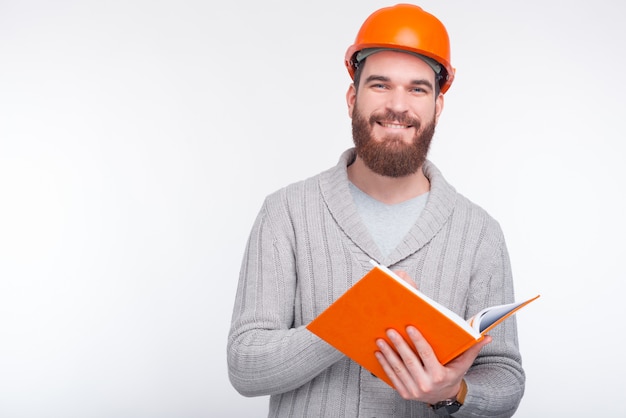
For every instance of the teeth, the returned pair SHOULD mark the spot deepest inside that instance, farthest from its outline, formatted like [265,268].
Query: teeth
[393,125]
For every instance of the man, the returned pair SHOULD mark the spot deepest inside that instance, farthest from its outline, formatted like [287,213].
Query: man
[384,201]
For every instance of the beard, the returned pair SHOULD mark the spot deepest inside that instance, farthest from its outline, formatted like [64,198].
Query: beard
[391,156]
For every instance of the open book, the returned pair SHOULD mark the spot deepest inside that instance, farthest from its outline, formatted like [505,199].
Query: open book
[381,300]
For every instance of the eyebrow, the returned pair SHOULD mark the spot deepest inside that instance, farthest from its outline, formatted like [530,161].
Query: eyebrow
[377,78]
[416,82]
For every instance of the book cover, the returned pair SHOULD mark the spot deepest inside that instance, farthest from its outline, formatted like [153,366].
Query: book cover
[381,300]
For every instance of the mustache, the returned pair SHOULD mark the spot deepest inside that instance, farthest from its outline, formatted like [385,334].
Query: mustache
[390,115]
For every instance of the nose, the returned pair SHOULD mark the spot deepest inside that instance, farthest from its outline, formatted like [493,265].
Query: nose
[397,100]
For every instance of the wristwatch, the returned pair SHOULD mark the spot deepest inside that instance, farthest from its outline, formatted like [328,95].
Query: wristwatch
[450,406]
[446,407]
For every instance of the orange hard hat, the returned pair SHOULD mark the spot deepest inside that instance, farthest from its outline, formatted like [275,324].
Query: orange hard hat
[405,27]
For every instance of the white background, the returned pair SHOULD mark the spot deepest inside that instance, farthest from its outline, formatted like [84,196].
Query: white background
[139,138]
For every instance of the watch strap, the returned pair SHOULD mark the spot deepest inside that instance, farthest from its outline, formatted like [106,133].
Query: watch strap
[460,397]
[450,406]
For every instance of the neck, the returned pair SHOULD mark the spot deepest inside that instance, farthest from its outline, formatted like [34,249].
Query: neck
[388,190]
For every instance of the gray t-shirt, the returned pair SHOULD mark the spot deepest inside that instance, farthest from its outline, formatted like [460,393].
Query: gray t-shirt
[388,224]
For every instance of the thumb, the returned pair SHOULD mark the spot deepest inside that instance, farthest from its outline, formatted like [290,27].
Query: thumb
[468,357]
[405,276]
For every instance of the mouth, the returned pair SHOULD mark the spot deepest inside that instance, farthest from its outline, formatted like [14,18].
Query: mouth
[393,125]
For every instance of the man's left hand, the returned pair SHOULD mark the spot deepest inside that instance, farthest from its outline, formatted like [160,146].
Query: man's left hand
[419,375]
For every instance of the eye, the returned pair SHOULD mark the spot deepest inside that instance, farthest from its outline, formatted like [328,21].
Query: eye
[419,90]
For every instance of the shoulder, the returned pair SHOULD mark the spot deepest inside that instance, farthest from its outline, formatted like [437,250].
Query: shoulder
[307,191]
[464,213]
[477,215]
[293,194]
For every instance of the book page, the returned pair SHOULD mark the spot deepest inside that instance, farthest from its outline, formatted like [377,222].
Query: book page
[489,317]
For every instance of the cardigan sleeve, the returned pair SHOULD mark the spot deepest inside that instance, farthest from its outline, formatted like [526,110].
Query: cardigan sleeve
[496,379]
[266,353]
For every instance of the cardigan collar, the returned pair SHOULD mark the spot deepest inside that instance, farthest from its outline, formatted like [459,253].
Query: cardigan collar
[336,194]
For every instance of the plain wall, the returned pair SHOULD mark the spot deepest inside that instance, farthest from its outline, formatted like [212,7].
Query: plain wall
[139,138]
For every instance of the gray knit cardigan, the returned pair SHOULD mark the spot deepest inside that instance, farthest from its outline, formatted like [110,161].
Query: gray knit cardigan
[308,245]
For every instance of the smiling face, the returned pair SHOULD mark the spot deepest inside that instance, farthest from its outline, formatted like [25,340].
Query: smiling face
[394,113]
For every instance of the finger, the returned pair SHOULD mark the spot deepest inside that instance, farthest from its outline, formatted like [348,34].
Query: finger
[391,364]
[424,350]
[412,367]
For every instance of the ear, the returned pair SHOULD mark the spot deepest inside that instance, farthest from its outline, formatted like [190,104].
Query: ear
[351,98]
[438,106]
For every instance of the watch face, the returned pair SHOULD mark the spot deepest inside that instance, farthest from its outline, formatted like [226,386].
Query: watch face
[447,407]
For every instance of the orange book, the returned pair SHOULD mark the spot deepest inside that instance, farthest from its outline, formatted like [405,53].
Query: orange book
[381,300]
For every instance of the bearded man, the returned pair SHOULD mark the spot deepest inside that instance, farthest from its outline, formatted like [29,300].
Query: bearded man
[385,201]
